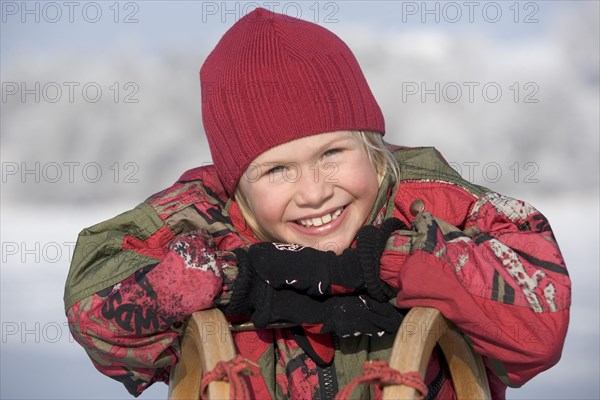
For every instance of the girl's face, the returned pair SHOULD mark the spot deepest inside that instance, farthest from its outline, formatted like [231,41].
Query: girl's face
[316,191]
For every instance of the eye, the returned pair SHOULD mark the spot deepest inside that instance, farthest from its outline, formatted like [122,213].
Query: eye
[331,152]
[275,169]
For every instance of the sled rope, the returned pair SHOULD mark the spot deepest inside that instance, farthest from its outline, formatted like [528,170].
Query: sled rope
[231,371]
[380,374]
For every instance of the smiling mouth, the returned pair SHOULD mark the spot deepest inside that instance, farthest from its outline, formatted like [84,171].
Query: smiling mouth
[322,220]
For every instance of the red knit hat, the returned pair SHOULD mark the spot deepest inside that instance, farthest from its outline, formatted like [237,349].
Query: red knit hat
[272,79]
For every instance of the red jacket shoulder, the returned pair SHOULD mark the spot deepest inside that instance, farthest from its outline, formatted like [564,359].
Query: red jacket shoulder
[198,185]
[425,176]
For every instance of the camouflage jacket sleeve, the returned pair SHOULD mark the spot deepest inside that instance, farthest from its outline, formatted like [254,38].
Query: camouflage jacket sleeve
[134,280]
[492,266]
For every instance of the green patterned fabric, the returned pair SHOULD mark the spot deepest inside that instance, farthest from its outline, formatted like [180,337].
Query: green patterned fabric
[91,271]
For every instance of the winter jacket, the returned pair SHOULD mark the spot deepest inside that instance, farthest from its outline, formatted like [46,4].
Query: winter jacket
[489,263]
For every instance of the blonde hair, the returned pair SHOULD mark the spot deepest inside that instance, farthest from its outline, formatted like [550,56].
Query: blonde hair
[380,156]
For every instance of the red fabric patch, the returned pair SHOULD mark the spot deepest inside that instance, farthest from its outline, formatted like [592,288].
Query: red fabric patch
[337,289]
[527,343]
[151,247]
[443,200]
[322,344]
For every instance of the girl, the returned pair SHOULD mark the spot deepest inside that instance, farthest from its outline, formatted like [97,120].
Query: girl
[308,217]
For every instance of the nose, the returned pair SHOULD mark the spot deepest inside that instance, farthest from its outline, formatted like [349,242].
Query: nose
[312,188]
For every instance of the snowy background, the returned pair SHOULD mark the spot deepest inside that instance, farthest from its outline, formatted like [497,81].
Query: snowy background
[101,108]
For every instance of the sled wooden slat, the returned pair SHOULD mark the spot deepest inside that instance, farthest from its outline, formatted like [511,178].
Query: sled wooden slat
[420,331]
[207,340]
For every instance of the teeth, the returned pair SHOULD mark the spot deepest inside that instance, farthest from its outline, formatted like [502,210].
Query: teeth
[318,221]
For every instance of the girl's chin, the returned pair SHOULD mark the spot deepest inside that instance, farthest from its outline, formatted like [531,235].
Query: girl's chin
[335,244]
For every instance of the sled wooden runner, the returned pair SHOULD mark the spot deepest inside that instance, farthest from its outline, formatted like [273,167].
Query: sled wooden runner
[421,330]
[208,339]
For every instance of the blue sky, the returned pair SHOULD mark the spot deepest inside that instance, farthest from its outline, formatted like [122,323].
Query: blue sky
[160,23]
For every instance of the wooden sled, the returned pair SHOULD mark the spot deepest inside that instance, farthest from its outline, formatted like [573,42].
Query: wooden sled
[421,329]
[208,340]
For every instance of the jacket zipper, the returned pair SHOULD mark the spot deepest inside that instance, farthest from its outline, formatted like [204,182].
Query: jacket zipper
[327,375]
[329,386]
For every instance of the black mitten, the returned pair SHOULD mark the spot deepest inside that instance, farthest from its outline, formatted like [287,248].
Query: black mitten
[350,315]
[345,315]
[361,315]
[323,272]
[370,244]
[248,287]
[304,268]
